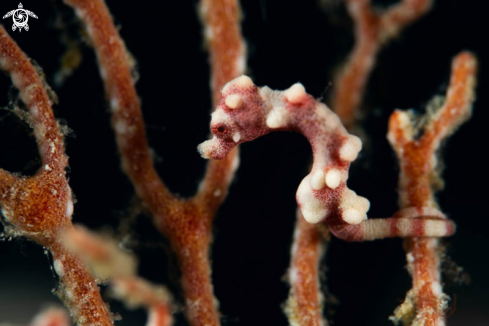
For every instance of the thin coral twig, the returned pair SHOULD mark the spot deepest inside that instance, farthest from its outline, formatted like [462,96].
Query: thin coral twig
[222,33]
[372,30]
[52,317]
[115,69]
[186,223]
[137,292]
[227,51]
[304,305]
[41,206]
[111,264]
[419,179]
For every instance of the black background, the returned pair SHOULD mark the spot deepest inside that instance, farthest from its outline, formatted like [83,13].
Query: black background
[288,41]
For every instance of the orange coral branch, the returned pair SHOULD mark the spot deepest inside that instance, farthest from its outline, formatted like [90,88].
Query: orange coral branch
[39,207]
[127,120]
[372,30]
[137,292]
[228,60]
[304,306]
[187,223]
[52,317]
[223,36]
[79,290]
[109,263]
[426,302]
[398,17]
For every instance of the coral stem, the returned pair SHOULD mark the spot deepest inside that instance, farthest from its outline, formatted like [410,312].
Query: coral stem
[304,306]
[41,206]
[187,223]
[127,120]
[78,289]
[111,264]
[189,232]
[372,30]
[426,302]
[52,317]
[221,22]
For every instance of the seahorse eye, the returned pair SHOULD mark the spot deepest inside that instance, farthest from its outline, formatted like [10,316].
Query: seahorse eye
[220,129]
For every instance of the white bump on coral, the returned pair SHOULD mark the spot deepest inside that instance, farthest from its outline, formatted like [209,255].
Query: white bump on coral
[17,79]
[47,168]
[277,117]
[404,123]
[333,178]
[120,127]
[5,214]
[235,163]
[69,207]
[5,63]
[317,180]
[236,137]
[350,149]
[114,104]
[69,294]
[312,208]
[241,61]
[29,91]
[295,93]
[410,257]
[34,111]
[295,244]
[103,73]
[58,267]
[209,33]
[293,275]
[436,288]
[233,101]
[404,119]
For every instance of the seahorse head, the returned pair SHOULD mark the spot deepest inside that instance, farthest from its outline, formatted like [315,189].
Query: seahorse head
[238,118]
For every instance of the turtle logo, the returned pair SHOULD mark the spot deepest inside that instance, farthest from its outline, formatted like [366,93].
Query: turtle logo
[20,17]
